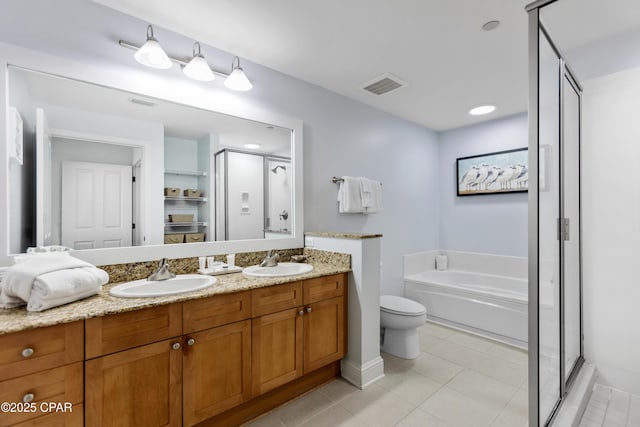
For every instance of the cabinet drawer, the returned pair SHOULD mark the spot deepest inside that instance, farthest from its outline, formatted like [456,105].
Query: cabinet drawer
[117,332]
[59,385]
[70,418]
[323,288]
[48,348]
[275,298]
[218,310]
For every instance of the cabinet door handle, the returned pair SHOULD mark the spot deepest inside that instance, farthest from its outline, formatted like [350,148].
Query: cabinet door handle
[308,309]
[27,352]
[175,346]
[301,312]
[27,398]
[191,341]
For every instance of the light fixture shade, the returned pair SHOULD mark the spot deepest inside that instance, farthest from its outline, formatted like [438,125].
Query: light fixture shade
[198,69]
[237,80]
[151,53]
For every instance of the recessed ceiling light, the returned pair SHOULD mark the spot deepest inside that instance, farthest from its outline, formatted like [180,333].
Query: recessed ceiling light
[482,109]
[491,25]
[252,146]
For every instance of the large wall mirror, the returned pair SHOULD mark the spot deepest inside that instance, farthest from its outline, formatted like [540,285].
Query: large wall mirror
[104,169]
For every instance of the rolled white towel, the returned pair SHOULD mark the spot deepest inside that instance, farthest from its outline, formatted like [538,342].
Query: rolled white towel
[19,278]
[50,280]
[68,282]
[65,286]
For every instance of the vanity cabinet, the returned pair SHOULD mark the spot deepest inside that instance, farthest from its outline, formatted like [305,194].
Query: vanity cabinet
[308,334]
[220,360]
[49,362]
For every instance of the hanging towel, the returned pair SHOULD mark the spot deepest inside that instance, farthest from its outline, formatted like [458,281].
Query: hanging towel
[54,278]
[349,197]
[371,193]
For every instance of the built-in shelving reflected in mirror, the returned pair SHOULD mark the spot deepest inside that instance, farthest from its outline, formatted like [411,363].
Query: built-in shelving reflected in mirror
[105,168]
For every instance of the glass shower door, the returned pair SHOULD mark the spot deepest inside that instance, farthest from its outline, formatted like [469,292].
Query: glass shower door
[555,299]
[548,214]
[571,290]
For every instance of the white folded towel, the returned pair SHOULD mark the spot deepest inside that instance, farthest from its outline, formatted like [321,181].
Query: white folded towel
[44,281]
[64,286]
[371,193]
[349,196]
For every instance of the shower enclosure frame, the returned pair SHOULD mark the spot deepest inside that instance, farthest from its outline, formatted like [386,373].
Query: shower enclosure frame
[565,76]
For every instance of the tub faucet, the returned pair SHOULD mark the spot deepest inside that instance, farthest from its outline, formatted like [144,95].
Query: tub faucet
[162,272]
[270,260]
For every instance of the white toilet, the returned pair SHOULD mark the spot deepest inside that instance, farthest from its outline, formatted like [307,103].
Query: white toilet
[399,319]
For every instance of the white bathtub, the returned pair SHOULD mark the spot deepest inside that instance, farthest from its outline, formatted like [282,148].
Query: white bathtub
[487,304]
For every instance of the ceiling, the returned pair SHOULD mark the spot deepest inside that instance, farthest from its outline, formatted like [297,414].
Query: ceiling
[438,47]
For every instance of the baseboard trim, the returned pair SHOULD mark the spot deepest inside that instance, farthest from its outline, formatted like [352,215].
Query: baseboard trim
[364,375]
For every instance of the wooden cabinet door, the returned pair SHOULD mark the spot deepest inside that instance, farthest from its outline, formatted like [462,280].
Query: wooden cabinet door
[276,352]
[137,387]
[324,333]
[217,371]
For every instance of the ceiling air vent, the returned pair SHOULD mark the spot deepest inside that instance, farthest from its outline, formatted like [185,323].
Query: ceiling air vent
[384,84]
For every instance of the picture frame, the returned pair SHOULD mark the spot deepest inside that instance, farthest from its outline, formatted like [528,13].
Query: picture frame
[493,173]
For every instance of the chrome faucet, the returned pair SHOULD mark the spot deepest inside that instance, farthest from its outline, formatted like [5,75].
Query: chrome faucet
[162,272]
[270,260]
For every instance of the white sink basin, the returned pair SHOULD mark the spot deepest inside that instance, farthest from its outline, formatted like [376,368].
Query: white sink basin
[280,270]
[181,283]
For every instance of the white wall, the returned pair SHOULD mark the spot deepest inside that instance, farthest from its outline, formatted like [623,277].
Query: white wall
[493,224]
[611,227]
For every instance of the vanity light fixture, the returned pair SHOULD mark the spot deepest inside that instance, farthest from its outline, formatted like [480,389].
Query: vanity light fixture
[237,80]
[252,146]
[151,53]
[198,68]
[482,109]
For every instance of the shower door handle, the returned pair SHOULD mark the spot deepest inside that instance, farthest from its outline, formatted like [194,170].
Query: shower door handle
[563,229]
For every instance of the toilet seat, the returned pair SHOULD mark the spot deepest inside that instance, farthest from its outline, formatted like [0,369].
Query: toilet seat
[402,306]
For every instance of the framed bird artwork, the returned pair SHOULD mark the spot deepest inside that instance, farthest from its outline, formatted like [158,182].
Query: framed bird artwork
[493,173]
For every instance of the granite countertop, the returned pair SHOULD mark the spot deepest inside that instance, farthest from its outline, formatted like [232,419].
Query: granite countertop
[18,319]
[341,235]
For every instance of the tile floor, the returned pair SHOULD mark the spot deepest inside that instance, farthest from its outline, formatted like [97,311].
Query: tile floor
[459,380]
[609,407]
